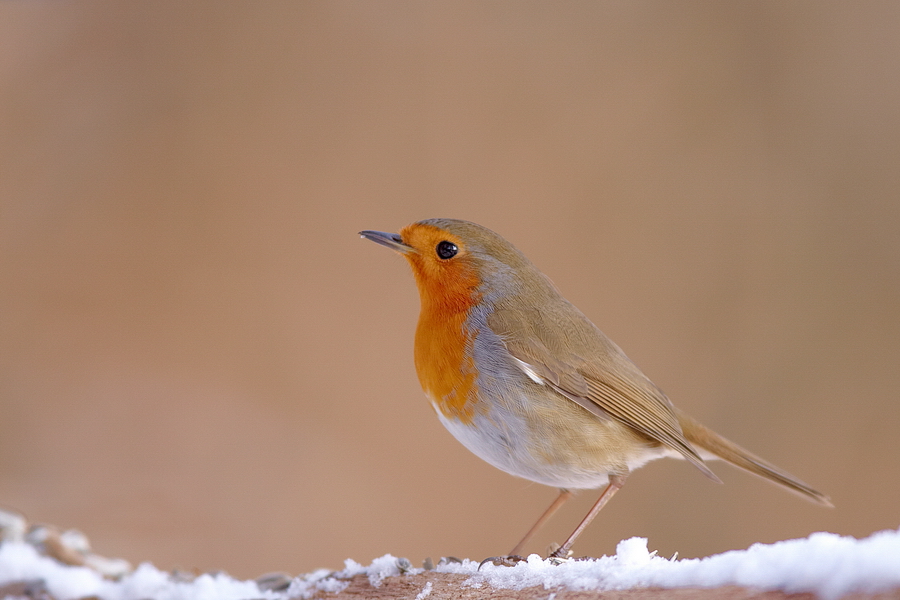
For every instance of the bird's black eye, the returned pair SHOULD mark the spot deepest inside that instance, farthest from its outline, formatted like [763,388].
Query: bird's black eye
[446,250]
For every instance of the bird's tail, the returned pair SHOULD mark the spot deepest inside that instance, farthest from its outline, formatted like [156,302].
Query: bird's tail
[705,439]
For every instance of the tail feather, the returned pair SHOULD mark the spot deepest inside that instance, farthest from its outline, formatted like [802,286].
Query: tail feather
[703,438]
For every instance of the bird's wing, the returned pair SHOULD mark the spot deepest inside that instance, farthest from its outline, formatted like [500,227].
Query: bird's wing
[563,349]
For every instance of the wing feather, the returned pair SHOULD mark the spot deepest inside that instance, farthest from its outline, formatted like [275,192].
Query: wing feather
[584,366]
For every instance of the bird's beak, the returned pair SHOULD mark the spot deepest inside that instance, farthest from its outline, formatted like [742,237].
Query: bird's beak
[391,240]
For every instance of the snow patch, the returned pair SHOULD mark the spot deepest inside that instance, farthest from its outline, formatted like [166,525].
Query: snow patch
[425,591]
[21,562]
[824,563]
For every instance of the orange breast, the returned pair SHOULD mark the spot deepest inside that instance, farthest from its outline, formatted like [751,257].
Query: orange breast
[443,352]
[445,366]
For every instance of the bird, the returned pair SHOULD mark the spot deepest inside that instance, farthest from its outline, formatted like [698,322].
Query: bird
[525,381]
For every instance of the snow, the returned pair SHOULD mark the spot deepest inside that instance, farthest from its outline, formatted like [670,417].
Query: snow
[824,563]
[20,561]
[425,591]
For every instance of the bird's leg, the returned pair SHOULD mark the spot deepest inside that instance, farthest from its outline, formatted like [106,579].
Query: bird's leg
[560,500]
[515,554]
[615,482]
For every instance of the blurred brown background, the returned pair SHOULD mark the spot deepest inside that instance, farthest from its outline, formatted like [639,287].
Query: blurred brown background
[202,365]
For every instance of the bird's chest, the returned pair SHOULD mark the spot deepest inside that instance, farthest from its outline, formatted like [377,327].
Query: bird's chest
[446,365]
[500,414]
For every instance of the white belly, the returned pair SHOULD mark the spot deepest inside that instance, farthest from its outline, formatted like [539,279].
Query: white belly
[503,440]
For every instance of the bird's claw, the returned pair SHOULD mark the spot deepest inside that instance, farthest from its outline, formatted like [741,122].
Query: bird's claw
[510,560]
[557,555]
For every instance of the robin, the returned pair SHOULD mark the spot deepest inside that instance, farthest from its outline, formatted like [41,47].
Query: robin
[525,381]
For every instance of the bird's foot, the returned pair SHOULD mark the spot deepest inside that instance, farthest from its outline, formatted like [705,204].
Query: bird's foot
[510,560]
[557,555]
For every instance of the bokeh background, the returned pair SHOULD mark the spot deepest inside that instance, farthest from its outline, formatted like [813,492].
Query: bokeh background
[203,366]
